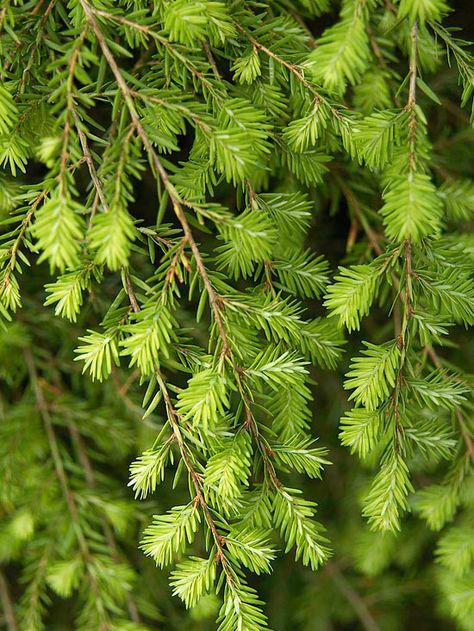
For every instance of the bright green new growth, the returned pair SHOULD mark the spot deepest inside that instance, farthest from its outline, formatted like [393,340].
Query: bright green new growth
[241,130]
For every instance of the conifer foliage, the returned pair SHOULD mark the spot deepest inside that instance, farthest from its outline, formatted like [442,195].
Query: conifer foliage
[180,182]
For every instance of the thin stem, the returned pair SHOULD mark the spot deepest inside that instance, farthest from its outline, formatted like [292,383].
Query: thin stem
[402,340]
[129,404]
[173,420]
[173,106]
[354,204]
[413,69]
[297,17]
[10,267]
[295,70]
[353,598]
[162,41]
[212,61]
[160,170]
[89,161]
[406,296]
[459,415]
[75,56]
[19,43]
[32,52]
[379,56]
[411,103]
[178,255]
[7,605]
[214,299]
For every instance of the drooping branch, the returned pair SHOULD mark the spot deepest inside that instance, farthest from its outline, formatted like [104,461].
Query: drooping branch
[215,300]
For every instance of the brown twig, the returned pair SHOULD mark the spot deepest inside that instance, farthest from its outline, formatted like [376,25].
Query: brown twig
[75,56]
[89,161]
[379,56]
[216,302]
[295,70]
[19,43]
[413,69]
[179,254]
[32,52]
[459,415]
[311,39]
[124,388]
[353,598]
[157,37]
[129,404]
[411,103]
[173,106]
[173,420]
[406,296]
[13,252]
[212,61]
[7,605]
[160,170]
[354,204]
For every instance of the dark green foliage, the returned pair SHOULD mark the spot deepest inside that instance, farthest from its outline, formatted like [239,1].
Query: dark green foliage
[180,183]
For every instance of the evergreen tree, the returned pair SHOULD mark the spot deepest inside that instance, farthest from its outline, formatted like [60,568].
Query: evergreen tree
[180,181]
